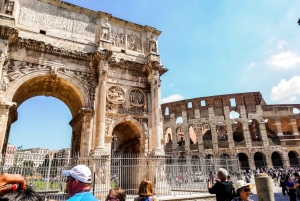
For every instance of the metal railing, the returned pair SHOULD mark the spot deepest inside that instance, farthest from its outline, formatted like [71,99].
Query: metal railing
[169,176]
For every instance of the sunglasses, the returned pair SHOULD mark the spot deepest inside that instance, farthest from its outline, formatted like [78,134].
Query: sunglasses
[246,189]
[70,179]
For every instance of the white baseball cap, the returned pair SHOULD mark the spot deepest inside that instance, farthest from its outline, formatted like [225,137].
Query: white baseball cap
[80,172]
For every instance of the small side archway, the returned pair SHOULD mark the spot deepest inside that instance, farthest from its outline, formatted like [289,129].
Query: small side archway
[259,160]
[244,162]
[276,160]
[293,158]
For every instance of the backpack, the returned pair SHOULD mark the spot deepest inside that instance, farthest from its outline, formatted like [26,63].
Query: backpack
[232,195]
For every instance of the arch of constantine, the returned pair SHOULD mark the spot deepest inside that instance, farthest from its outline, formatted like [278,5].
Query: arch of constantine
[106,70]
[233,126]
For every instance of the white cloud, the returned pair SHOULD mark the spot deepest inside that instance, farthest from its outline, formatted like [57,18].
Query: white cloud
[285,60]
[172,98]
[251,65]
[286,91]
[271,40]
[280,44]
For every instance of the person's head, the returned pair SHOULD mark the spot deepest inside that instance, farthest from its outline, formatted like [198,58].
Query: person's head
[222,174]
[21,195]
[296,175]
[78,178]
[243,189]
[145,189]
[116,194]
[228,177]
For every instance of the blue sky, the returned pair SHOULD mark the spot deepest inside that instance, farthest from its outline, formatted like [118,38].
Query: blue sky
[210,48]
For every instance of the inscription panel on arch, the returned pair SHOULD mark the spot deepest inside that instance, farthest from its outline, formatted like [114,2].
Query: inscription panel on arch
[36,13]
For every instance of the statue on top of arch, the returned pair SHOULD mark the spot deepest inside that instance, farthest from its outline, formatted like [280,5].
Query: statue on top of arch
[152,44]
[106,30]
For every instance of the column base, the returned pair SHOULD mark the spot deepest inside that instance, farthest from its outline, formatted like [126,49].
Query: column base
[99,150]
[157,152]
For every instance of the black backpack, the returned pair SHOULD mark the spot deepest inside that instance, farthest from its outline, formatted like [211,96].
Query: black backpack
[232,195]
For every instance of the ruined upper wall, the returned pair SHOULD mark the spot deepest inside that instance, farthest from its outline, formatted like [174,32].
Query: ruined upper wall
[250,100]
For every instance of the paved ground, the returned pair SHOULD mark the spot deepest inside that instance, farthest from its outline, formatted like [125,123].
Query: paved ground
[276,189]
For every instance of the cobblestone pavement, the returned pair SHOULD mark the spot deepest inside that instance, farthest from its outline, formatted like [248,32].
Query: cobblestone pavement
[276,189]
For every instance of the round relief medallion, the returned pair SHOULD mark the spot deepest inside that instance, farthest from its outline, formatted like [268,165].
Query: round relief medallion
[137,97]
[116,95]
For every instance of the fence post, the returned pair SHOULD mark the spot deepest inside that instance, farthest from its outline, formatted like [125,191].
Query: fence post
[48,172]
[264,187]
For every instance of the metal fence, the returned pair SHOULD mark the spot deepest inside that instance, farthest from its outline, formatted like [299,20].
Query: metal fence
[169,176]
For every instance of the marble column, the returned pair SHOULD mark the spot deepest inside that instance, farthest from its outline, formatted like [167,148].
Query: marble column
[101,106]
[156,130]
[86,132]
[4,115]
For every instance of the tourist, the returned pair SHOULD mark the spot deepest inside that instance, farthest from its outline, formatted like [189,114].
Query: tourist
[222,188]
[291,188]
[243,191]
[282,183]
[79,179]
[116,194]
[145,192]
[27,194]
[7,179]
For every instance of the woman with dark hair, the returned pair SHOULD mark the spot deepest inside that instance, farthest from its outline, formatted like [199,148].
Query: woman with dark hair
[243,191]
[146,192]
[116,194]
[290,187]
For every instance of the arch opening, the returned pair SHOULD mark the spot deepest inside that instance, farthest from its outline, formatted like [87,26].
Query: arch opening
[293,158]
[244,163]
[276,160]
[259,160]
[126,138]
[238,133]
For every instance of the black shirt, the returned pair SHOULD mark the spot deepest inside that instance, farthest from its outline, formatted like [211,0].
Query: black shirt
[223,190]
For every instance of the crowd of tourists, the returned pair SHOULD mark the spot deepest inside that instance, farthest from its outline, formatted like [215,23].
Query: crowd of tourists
[79,179]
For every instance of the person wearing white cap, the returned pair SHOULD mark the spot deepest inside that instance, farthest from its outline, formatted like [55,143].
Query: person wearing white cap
[79,180]
[243,191]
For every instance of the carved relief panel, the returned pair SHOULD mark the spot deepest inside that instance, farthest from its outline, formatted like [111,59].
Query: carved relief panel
[137,97]
[116,95]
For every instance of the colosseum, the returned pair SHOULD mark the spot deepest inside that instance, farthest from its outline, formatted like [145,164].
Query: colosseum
[233,126]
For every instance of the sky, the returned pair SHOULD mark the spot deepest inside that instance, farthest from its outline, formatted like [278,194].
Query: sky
[210,48]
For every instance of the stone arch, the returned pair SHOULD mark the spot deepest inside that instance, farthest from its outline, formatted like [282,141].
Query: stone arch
[64,87]
[234,114]
[179,120]
[180,136]
[221,129]
[225,161]
[286,126]
[195,160]
[237,131]
[298,124]
[276,158]
[34,85]
[293,158]
[192,134]
[244,161]
[254,130]
[259,159]
[168,135]
[207,136]
[209,162]
[132,133]
[270,127]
